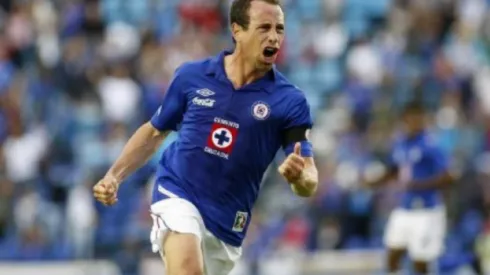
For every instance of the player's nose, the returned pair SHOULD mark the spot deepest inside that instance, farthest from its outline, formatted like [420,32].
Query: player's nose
[273,39]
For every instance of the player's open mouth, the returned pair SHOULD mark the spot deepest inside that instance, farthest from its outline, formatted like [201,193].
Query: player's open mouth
[270,51]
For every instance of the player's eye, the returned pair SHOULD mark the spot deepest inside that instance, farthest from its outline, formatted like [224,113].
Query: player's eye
[265,27]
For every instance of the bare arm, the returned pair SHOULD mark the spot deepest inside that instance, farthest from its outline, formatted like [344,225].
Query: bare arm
[387,177]
[138,150]
[307,184]
[440,181]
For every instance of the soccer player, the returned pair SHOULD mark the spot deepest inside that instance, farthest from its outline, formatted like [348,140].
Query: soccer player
[233,112]
[418,225]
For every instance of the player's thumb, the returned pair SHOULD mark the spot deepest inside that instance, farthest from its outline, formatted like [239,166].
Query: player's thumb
[297,148]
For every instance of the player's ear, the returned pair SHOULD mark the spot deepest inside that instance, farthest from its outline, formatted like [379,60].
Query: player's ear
[236,31]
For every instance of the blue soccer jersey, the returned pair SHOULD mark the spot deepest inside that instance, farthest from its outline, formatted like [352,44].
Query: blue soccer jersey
[419,158]
[226,140]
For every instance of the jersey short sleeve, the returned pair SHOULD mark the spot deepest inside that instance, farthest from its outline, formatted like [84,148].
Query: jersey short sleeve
[171,111]
[298,123]
[298,113]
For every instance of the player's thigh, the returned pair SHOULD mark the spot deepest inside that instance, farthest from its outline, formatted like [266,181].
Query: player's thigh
[427,238]
[182,254]
[177,233]
[220,258]
[396,230]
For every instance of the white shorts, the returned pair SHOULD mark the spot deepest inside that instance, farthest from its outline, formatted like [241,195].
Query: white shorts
[179,215]
[421,232]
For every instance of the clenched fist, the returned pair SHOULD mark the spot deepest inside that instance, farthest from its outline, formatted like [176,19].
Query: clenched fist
[105,190]
[292,168]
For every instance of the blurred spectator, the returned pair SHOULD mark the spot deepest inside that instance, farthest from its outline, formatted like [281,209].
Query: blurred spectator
[81,220]
[6,206]
[120,95]
[23,151]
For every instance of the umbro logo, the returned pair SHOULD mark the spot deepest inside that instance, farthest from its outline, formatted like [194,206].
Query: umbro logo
[205,92]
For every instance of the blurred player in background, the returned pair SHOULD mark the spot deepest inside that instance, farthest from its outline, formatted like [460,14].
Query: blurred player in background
[418,225]
[233,112]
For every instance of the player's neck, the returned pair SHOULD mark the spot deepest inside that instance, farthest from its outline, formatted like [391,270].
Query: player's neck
[240,71]
[416,133]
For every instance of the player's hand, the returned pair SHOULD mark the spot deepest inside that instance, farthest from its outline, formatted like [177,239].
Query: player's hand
[105,191]
[292,168]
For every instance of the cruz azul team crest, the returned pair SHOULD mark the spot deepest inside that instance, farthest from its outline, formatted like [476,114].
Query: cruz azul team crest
[261,110]
[221,138]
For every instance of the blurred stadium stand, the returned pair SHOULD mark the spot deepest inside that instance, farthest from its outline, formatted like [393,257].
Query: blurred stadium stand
[78,76]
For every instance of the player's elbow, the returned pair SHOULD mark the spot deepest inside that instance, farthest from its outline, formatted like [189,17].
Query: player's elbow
[448,179]
[307,193]
[307,189]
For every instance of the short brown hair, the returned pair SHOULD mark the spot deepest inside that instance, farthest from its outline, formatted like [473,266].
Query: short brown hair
[239,11]
[415,106]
